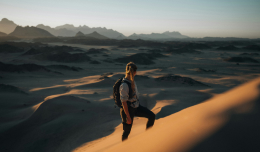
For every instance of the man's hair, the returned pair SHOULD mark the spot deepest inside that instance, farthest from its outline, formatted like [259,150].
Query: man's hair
[130,69]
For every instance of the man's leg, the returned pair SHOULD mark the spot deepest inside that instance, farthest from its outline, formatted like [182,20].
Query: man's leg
[126,127]
[144,112]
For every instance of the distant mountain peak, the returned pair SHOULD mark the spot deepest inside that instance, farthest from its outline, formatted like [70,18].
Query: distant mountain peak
[66,26]
[7,26]
[6,21]
[42,25]
[96,35]
[69,25]
[80,34]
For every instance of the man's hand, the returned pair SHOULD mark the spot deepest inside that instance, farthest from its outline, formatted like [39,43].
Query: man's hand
[128,120]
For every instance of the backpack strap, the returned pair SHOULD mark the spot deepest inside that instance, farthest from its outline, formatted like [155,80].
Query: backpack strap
[130,94]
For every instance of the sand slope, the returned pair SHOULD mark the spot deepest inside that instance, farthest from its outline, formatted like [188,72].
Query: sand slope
[181,131]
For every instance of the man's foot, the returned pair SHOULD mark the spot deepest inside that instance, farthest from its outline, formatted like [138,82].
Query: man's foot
[124,138]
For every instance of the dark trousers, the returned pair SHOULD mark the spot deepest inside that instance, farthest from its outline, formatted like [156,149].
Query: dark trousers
[140,112]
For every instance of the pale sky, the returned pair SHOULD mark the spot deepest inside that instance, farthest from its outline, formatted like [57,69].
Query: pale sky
[194,18]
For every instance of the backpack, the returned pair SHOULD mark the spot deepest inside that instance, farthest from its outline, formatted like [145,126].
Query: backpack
[116,91]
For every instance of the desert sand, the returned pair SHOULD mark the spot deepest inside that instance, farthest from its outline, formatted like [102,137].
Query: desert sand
[201,102]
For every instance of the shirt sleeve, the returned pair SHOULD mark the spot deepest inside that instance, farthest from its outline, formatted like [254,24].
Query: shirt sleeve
[124,92]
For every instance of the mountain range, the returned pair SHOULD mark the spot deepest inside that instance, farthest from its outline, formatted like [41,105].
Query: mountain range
[57,32]
[92,35]
[87,30]
[69,30]
[156,36]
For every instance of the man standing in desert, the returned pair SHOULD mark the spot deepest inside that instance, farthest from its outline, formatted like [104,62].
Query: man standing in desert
[130,103]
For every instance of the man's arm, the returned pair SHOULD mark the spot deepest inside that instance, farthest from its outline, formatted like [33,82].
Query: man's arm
[128,118]
[124,97]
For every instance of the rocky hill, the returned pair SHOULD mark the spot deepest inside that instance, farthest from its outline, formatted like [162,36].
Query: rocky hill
[7,26]
[79,34]
[96,35]
[30,32]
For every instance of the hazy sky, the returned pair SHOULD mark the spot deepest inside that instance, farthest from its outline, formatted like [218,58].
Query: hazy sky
[195,18]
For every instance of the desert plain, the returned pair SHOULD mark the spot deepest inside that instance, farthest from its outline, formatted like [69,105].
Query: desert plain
[205,96]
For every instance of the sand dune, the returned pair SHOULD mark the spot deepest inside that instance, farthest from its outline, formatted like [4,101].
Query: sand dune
[6,48]
[141,58]
[241,59]
[182,130]
[10,88]
[51,116]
